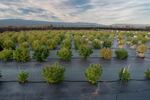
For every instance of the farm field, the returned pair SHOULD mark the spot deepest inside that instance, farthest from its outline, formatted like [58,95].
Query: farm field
[87,64]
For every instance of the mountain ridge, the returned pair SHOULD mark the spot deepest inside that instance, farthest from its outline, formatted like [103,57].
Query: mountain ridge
[22,22]
[28,23]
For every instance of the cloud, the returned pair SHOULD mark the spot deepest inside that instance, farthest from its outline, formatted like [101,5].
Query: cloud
[79,5]
[30,10]
[98,11]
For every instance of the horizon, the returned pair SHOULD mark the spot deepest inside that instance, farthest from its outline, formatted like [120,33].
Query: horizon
[69,22]
[87,11]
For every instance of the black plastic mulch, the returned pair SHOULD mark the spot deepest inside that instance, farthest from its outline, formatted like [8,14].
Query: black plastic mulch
[75,86]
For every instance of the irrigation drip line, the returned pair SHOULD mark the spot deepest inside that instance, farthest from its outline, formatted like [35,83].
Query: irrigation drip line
[79,58]
[98,57]
[69,81]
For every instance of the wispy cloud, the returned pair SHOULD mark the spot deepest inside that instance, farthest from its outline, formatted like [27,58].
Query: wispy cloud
[98,11]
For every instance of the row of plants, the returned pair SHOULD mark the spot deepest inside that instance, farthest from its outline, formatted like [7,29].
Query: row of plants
[19,45]
[85,51]
[121,40]
[133,39]
[95,39]
[11,40]
[65,52]
[122,53]
[22,53]
[54,73]
[103,39]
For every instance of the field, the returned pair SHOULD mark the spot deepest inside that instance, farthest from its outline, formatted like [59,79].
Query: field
[75,64]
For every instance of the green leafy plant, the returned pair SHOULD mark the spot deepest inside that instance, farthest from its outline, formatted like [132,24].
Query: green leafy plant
[85,51]
[141,49]
[6,55]
[65,54]
[107,44]
[121,53]
[41,53]
[93,73]
[121,43]
[52,44]
[147,74]
[77,42]
[106,53]
[8,44]
[22,37]
[53,73]
[36,44]
[24,45]
[124,74]
[21,54]
[1,44]
[66,44]
[23,77]
[97,44]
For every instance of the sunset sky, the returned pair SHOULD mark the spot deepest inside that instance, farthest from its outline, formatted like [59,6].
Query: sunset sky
[92,11]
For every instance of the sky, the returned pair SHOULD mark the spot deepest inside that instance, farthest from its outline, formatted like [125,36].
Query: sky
[91,11]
